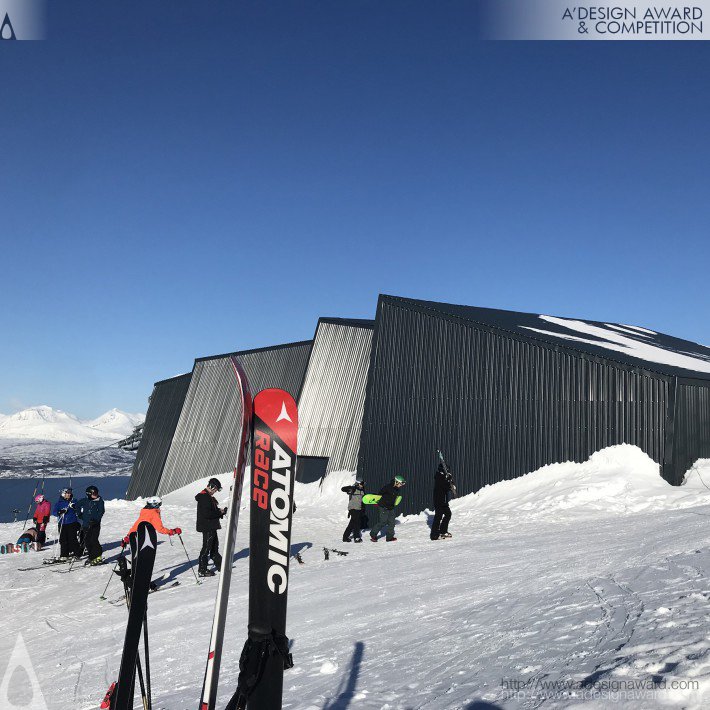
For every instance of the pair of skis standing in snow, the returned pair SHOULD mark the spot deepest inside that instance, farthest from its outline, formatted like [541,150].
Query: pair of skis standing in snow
[272,422]
[389,497]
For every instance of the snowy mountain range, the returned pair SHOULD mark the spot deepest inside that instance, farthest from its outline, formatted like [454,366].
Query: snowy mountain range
[44,423]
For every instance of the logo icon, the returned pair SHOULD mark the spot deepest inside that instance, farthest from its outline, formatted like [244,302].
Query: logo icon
[7,31]
[284,414]
[20,689]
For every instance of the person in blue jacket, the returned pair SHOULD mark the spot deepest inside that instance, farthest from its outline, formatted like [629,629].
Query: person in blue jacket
[90,510]
[64,510]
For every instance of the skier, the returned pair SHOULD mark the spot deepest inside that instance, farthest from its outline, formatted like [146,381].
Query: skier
[151,514]
[443,485]
[386,504]
[208,517]
[68,525]
[41,516]
[90,510]
[355,494]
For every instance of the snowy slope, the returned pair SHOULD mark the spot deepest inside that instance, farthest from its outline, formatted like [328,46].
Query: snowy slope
[44,423]
[556,588]
[116,423]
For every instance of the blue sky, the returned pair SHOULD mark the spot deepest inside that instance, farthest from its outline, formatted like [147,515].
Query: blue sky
[180,180]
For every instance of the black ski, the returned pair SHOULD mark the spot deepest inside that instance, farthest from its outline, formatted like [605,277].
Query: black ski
[448,473]
[266,652]
[141,571]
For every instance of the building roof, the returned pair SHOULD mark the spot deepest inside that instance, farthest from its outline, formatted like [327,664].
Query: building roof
[267,348]
[627,344]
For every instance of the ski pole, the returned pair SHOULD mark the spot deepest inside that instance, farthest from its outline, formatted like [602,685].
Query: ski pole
[113,571]
[146,657]
[29,510]
[188,559]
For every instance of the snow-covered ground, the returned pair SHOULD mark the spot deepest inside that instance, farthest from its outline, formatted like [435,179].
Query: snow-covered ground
[580,584]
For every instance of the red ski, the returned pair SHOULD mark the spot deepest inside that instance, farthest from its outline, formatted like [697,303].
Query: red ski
[107,702]
[266,653]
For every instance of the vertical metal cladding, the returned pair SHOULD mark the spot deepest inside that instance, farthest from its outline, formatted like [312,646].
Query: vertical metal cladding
[497,406]
[692,426]
[331,403]
[162,417]
[207,435]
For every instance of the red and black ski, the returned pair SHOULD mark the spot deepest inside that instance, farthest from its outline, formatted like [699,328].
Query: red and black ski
[208,697]
[266,654]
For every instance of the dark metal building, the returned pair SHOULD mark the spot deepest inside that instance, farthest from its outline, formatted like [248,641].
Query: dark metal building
[503,393]
[207,434]
[164,409]
[330,406]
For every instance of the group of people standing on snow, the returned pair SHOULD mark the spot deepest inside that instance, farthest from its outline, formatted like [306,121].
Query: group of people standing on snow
[388,499]
[79,523]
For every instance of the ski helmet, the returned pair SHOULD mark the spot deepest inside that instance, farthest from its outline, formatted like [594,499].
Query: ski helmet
[153,502]
[65,490]
[92,491]
[39,498]
[214,483]
[399,479]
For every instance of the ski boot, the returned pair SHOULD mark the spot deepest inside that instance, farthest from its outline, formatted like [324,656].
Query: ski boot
[358,539]
[445,535]
[373,539]
[391,539]
[205,573]
[96,561]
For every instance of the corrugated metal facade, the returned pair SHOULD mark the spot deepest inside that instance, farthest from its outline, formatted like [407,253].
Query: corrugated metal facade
[207,435]
[500,405]
[330,407]
[692,426]
[162,417]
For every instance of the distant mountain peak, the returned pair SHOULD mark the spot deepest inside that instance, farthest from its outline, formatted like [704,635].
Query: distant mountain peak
[45,423]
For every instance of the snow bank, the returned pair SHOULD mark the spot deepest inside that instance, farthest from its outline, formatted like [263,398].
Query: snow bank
[616,480]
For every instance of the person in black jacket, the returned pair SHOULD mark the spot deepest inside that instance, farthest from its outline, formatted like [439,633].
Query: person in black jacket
[443,485]
[355,495]
[386,506]
[90,511]
[208,516]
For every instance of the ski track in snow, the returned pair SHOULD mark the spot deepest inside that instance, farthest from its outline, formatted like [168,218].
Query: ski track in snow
[577,595]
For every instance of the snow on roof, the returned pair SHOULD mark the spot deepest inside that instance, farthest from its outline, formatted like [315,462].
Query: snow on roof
[628,344]
[613,337]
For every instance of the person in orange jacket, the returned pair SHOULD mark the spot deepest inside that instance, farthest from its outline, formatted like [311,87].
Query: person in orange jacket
[151,514]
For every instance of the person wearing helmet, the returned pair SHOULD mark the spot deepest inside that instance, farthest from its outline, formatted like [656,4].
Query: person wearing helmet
[150,513]
[68,525]
[355,495]
[90,511]
[41,516]
[386,507]
[208,516]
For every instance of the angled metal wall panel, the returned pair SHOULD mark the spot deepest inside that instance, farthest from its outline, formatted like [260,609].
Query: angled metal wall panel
[162,417]
[692,427]
[497,406]
[330,407]
[206,438]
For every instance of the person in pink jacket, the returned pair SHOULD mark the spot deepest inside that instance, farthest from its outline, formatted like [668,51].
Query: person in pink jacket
[41,517]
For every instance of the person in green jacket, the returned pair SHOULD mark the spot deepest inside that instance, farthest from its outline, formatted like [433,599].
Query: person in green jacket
[386,506]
